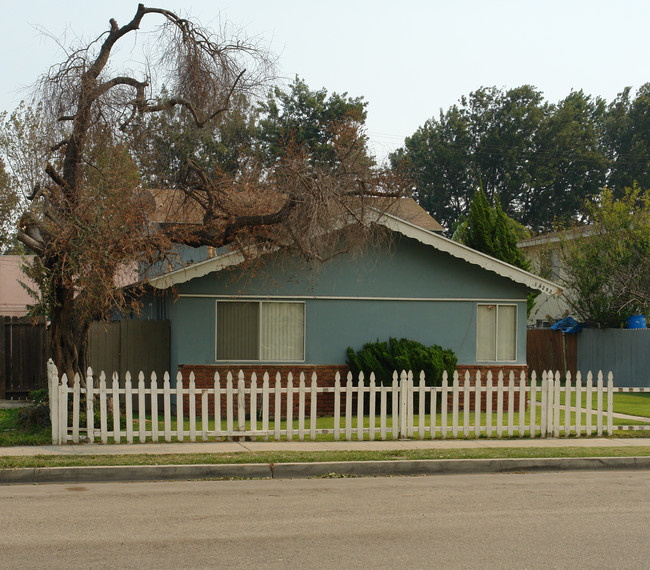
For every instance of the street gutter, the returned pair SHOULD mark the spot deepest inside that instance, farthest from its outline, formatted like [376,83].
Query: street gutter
[319,469]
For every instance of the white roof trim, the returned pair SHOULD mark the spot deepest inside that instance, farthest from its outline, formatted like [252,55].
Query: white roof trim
[195,270]
[393,223]
[470,255]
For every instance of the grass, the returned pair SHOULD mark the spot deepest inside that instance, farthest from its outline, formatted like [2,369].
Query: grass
[309,457]
[628,403]
[624,402]
[11,434]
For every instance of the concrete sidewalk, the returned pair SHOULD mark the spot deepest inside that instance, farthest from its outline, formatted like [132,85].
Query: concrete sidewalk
[260,446]
[32,475]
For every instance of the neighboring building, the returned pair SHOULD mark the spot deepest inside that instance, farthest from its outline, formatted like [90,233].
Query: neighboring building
[13,297]
[544,252]
[283,316]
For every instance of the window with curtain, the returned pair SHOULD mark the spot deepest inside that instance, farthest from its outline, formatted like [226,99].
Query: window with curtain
[260,330]
[496,334]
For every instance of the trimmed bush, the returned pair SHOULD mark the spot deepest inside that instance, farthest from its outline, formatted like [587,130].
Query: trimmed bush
[383,358]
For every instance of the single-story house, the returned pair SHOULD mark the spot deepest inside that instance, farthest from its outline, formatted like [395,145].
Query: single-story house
[285,316]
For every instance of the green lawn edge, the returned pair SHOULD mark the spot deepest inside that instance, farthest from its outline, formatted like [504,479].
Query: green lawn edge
[13,462]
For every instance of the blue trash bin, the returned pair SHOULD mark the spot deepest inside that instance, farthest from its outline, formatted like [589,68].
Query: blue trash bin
[636,322]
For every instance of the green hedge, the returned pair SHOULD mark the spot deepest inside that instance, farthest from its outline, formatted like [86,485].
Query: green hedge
[383,358]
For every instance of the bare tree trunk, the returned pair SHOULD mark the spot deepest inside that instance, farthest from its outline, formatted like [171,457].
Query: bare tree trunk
[64,335]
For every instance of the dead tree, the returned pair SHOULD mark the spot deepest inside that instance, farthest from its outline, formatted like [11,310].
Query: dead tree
[90,219]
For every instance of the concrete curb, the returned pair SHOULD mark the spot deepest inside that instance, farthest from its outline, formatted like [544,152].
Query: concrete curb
[133,473]
[304,470]
[455,466]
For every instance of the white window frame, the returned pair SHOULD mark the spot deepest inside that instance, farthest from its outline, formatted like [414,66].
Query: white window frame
[259,328]
[496,332]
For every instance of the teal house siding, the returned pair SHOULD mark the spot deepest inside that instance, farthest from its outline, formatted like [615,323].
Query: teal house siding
[402,289]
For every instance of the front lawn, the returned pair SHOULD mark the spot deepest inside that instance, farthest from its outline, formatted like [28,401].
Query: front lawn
[634,404]
[12,434]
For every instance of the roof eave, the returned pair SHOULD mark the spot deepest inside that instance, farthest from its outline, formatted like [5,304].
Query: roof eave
[393,223]
[472,256]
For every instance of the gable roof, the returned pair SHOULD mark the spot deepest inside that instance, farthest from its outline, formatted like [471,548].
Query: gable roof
[408,226]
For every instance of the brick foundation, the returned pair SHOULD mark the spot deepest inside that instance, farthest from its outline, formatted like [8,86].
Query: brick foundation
[204,378]
[516,369]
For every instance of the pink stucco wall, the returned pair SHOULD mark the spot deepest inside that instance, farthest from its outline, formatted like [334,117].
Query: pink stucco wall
[13,298]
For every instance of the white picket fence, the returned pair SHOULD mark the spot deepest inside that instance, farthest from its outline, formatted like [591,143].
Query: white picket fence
[406,409]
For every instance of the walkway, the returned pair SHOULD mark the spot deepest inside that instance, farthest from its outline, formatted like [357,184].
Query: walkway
[311,446]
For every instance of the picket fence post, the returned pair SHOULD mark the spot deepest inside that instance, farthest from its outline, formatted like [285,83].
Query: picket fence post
[241,402]
[466,406]
[289,406]
[53,390]
[477,405]
[403,404]
[154,407]
[590,401]
[556,405]
[372,404]
[489,391]
[395,406]
[191,388]
[533,403]
[610,403]
[63,409]
[543,420]
[599,405]
[313,406]
[301,407]
[421,406]
[522,404]
[567,404]
[360,392]
[265,406]
[90,419]
[337,406]
[348,408]
[76,397]
[128,399]
[578,405]
[103,414]
[511,403]
[443,404]
[454,409]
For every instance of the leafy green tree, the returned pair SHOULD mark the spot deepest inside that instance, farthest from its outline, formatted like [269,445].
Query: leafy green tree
[435,157]
[300,120]
[542,160]
[164,144]
[483,141]
[489,230]
[571,164]
[608,263]
[627,138]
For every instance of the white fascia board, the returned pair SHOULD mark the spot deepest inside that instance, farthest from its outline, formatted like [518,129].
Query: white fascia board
[196,270]
[393,223]
[470,255]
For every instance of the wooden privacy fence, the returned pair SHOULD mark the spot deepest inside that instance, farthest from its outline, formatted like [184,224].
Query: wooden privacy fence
[23,355]
[106,412]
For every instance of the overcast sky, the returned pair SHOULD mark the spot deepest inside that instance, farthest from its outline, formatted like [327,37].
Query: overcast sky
[408,59]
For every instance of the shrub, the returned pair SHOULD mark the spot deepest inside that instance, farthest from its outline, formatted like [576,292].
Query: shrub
[383,358]
[37,414]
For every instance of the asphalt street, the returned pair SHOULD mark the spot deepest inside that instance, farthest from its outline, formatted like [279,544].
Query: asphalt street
[517,520]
